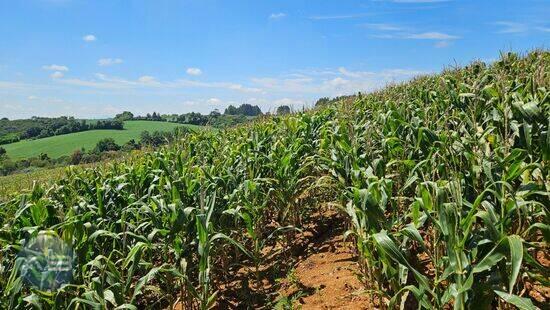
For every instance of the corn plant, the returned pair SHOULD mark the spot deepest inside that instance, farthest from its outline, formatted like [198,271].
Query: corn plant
[444,181]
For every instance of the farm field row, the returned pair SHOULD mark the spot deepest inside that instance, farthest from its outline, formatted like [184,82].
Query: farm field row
[440,185]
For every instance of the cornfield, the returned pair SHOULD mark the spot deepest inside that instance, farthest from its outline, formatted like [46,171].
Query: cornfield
[444,182]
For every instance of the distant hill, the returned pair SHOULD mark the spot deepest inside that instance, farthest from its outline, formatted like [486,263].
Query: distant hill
[62,145]
[41,127]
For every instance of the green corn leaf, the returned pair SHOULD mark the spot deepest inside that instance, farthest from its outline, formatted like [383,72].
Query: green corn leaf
[520,302]
[34,300]
[232,241]
[418,293]
[516,257]
[110,297]
[389,247]
[126,307]
[103,233]
[144,280]
[492,258]
[79,301]
[544,228]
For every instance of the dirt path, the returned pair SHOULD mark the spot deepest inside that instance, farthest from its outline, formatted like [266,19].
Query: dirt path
[318,271]
[326,278]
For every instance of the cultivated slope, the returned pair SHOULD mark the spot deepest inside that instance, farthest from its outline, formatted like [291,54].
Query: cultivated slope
[57,146]
[443,183]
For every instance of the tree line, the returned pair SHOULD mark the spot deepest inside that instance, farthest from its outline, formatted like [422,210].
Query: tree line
[42,127]
[231,116]
[104,149]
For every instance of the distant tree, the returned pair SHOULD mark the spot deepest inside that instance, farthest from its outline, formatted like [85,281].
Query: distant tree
[43,156]
[31,132]
[282,110]
[2,151]
[7,166]
[249,110]
[145,138]
[76,157]
[5,119]
[231,110]
[106,145]
[125,116]
[322,102]
[243,109]
[215,113]
[90,158]
[108,124]
[160,138]
[130,145]
[171,118]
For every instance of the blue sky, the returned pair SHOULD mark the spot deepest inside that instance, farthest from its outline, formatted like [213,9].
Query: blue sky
[97,58]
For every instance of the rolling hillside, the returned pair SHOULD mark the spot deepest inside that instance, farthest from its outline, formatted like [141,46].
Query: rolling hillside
[57,146]
[440,186]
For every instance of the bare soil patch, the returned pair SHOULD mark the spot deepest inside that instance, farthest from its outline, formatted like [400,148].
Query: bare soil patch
[317,270]
[327,278]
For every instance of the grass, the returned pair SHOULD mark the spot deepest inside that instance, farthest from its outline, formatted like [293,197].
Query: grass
[62,145]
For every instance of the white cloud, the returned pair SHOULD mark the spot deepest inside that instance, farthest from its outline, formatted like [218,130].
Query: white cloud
[220,85]
[338,82]
[103,81]
[382,27]
[297,88]
[385,74]
[55,68]
[214,101]
[508,27]
[417,36]
[183,83]
[390,31]
[194,71]
[147,79]
[94,84]
[89,38]
[385,36]
[289,102]
[442,44]
[329,17]
[277,15]
[189,103]
[32,97]
[345,72]
[240,87]
[432,36]
[333,82]
[18,86]
[57,75]
[511,27]
[109,61]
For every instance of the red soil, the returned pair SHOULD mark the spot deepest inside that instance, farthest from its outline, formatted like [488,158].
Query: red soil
[327,278]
